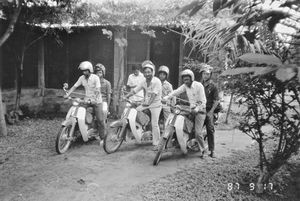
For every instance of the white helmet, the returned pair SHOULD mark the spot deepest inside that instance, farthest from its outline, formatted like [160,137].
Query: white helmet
[205,67]
[164,69]
[86,65]
[188,72]
[148,64]
[100,67]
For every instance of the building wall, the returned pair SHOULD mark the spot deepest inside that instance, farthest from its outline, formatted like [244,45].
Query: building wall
[11,53]
[63,54]
[165,51]
[62,59]
[138,49]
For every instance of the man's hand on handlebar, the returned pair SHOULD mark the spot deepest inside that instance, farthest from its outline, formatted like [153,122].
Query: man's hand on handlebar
[194,111]
[66,95]
[145,104]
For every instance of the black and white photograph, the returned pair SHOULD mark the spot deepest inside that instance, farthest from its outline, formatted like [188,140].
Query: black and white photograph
[149,100]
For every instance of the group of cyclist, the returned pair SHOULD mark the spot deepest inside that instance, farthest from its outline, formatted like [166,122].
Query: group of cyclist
[154,92]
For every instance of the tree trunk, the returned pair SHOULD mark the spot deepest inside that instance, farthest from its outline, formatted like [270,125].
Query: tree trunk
[19,81]
[3,39]
[229,108]
[11,25]
[119,68]
[3,129]
[262,181]
[41,68]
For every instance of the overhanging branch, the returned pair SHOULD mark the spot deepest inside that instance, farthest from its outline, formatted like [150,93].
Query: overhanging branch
[11,25]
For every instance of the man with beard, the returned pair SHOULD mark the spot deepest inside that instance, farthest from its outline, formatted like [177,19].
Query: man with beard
[153,92]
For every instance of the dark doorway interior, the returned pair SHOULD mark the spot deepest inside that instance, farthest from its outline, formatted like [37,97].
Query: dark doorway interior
[165,51]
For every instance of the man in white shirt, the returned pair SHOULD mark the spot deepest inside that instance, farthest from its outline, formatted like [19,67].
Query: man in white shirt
[153,92]
[196,95]
[92,86]
[134,80]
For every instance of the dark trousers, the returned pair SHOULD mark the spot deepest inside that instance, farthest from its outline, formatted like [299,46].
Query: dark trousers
[210,130]
[98,109]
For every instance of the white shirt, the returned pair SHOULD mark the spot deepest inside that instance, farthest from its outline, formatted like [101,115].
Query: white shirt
[155,87]
[195,93]
[92,87]
[134,80]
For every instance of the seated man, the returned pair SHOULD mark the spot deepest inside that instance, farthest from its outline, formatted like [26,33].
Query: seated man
[91,84]
[153,89]
[196,95]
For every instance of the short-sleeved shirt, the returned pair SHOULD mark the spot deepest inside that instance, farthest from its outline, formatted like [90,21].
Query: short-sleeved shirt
[212,94]
[105,89]
[136,80]
[195,93]
[166,88]
[155,87]
[92,87]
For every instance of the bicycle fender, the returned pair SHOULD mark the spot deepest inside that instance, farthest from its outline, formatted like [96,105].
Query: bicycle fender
[81,112]
[181,136]
[68,121]
[118,123]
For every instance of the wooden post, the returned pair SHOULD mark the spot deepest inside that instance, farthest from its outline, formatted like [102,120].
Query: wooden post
[229,108]
[90,46]
[3,129]
[119,64]
[67,67]
[181,55]
[148,47]
[41,67]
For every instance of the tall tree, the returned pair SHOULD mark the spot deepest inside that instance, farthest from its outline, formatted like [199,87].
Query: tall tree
[13,17]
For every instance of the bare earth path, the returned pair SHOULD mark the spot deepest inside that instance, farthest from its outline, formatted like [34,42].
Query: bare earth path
[31,170]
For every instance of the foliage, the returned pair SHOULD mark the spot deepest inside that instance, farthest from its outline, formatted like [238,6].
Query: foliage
[266,72]
[274,105]
[283,72]
[241,26]
[30,12]
[37,11]
[78,13]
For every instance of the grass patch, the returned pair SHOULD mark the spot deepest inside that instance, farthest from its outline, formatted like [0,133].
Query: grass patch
[209,179]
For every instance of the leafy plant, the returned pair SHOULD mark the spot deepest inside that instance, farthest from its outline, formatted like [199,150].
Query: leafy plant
[270,90]
[266,73]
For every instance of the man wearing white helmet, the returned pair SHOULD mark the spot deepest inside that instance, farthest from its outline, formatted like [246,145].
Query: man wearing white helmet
[153,90]
[167,88]
[91,84]
[212,104]
[196,95]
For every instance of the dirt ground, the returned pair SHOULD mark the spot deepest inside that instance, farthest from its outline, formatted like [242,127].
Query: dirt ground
[31,170]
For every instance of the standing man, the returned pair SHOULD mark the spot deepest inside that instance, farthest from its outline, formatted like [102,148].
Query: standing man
[105,88]
[134,80]
[167,88]
[212,96]
[91,84]
[196,95]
